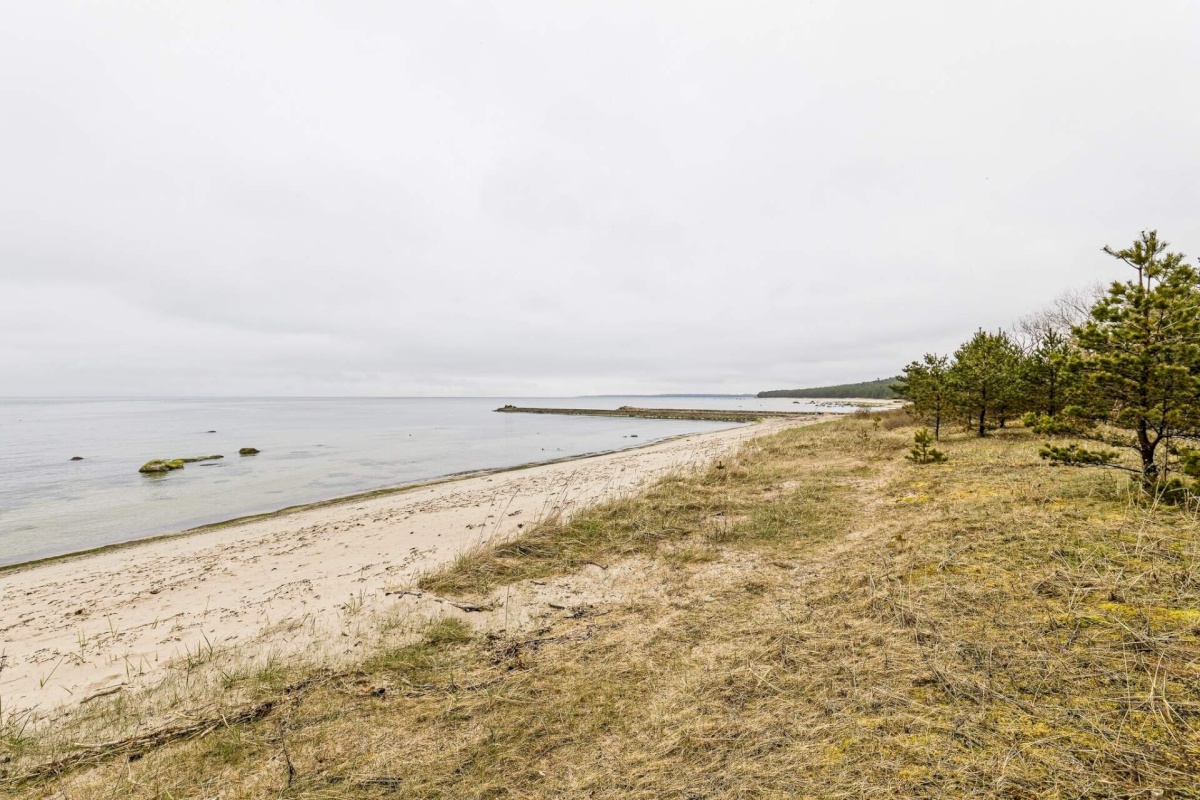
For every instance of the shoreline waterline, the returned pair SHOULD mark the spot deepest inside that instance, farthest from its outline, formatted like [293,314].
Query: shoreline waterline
[9,569]
[53,504]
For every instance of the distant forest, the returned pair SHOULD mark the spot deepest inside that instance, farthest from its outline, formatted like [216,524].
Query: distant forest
[878,389]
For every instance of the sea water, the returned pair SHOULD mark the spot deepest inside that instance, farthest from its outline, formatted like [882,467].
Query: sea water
[310,449]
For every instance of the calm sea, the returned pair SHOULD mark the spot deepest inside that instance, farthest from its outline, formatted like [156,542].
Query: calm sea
[311,449]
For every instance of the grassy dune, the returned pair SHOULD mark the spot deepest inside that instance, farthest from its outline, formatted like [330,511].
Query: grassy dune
[813,618]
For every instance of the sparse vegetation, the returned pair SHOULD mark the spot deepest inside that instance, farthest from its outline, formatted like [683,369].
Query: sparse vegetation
[816,619]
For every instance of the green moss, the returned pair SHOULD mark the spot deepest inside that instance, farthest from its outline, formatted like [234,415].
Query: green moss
[420,662]
[448,630]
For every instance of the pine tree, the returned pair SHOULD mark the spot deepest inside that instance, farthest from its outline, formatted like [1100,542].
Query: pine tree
[1139,365]
[986,379]
[926,384]
[1046,373]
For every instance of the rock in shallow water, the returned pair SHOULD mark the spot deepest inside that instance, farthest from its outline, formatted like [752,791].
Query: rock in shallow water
[158,465]
[248,451]
[77,458]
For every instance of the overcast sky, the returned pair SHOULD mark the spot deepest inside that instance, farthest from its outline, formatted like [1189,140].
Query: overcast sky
[393,198]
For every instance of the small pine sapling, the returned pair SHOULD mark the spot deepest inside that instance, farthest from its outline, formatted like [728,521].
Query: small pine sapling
[924,452]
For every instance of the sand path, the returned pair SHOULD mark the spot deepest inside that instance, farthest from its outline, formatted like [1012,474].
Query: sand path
[72,628]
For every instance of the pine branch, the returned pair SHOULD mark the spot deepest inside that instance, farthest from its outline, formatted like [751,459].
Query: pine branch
[1075,456]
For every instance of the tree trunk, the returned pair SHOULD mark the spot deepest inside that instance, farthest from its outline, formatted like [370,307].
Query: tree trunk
[983,413]
[1146,449]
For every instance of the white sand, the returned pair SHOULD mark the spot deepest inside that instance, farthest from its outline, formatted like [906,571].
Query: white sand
[72,628]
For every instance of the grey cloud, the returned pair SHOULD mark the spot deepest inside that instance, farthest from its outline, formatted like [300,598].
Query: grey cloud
[534,197]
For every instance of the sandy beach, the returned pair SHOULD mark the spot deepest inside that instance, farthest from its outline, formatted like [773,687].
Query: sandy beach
[309,579]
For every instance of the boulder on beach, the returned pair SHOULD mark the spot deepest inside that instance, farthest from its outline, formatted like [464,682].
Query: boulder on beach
[158,466]
[248,451]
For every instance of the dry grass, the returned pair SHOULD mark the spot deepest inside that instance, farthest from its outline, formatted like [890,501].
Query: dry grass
[889,419]
[749,497]
[817,618]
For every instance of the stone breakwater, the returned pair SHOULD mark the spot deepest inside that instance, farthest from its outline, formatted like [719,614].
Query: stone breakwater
[702,414]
